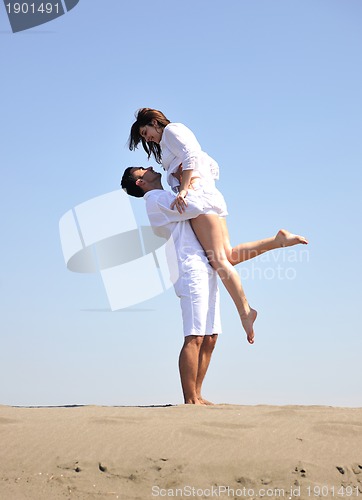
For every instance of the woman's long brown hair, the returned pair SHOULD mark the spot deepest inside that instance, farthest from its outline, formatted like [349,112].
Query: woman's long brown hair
[144,116]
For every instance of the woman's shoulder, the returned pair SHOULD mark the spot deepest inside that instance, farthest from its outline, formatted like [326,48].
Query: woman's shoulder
[176,126]
[178,130]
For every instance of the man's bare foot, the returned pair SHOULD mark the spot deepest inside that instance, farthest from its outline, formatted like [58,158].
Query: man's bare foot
[194,401]
[286,239]
[205,401]
[247,321]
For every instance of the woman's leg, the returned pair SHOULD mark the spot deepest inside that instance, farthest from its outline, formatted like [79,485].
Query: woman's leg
[246,251]
[210,235]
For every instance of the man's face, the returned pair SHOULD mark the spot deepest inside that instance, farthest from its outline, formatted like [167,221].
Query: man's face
[147,175]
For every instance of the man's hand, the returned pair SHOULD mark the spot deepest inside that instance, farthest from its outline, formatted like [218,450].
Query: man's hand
[180,203]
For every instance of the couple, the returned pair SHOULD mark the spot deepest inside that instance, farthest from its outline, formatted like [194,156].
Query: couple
[196,219]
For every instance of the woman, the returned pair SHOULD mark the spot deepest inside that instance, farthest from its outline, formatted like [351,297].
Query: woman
[180,148]
[176,148]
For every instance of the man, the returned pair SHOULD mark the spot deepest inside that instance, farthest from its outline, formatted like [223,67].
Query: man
[196,285]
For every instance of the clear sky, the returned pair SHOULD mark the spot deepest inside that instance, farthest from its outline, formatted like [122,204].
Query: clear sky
[272,90]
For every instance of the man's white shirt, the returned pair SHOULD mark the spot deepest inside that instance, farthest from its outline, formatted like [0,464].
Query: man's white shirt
[167,222]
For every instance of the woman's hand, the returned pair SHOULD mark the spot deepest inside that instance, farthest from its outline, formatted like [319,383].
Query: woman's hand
[180,203]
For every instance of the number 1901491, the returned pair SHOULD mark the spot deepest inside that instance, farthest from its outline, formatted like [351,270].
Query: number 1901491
[32,8]
[332,491]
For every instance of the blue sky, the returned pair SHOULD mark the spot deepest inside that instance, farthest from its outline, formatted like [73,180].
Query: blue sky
[272,90]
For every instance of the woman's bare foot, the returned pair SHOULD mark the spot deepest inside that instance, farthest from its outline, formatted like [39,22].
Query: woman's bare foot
[286,239]
[247,320]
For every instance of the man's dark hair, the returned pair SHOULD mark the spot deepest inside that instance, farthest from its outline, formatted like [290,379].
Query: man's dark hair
[128,183]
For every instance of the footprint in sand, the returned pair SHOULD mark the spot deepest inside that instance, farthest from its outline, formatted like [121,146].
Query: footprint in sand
[102,467]
[349,479]
[357,468]
[245,482]
[156,465]
[70,466]
[265,481]
[300,470]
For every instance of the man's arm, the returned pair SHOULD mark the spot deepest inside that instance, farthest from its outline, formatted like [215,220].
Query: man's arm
[160,213]
[180,203]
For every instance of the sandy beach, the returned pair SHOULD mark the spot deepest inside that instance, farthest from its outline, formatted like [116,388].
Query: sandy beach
[221,451]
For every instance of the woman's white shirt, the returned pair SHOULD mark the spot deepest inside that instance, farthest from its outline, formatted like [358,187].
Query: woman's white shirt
[180,146]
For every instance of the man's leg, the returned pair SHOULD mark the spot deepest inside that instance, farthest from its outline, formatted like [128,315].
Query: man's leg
[246,251]
[206,350]
[189,365]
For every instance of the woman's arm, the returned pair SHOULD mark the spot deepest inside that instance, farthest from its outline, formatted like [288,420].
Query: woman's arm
[180,203]
[183,144]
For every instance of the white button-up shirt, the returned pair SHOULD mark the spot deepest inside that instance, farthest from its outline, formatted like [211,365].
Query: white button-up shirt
[166,222]
[180,146]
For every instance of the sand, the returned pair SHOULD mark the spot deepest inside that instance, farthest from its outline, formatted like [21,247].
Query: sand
[221,451]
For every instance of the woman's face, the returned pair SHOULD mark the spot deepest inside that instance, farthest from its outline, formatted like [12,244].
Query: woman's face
[152,132]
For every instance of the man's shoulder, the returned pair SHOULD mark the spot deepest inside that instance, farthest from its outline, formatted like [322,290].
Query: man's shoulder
[156,195]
